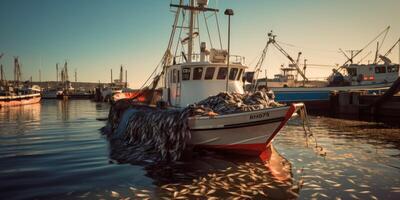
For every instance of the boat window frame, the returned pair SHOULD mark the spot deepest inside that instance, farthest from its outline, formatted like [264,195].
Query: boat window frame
[219,73]
[352,71]
[197,75]
[186,75]
[392,69]
[207,73]
[233,73]
[174,76]
[240,73]
[380,69]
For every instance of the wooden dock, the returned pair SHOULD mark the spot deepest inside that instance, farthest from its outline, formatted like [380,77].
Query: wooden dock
[363,103]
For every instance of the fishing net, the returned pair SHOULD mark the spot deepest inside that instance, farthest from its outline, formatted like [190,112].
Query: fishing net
[143,133]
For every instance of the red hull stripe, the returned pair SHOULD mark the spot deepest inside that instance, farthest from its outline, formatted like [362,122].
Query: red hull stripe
[287,117]
[245,149]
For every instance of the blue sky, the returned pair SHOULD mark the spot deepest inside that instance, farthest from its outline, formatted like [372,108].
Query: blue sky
[97,35]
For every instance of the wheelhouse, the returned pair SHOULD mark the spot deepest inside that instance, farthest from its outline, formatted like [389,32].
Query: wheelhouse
[188,83]
[372,73]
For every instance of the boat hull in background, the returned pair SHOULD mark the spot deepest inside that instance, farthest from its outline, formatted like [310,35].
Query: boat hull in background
[6,101]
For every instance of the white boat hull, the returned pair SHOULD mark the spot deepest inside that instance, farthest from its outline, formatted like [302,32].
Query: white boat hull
[251,131]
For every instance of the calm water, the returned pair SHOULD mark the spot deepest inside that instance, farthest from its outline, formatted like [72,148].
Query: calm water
[54,150]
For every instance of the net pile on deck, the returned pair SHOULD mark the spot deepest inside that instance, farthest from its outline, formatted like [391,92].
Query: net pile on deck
[143,133]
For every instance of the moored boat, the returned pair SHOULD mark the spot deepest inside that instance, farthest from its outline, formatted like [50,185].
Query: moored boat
[19,97]
[191,78]
[373,77]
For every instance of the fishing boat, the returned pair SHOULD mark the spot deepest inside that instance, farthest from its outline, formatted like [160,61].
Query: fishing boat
[189,77]
[19,96]
[351,76]
[51,93]
[13,93]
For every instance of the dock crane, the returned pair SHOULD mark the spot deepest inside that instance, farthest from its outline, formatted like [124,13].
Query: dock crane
[355,53]
[271,40]
[382,58]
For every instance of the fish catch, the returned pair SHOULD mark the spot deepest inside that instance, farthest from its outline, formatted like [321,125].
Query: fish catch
[138,132]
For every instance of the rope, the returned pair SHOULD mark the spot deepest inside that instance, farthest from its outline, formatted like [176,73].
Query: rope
[308,133]
[219,32]
[208,31]
[198,29]
[180,32]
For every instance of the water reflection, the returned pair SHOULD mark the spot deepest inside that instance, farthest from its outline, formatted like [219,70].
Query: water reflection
[215,175]
[54,150]
[26,113]
[19,118]
[356,166]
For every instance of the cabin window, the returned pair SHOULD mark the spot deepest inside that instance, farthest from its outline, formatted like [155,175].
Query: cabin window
[352,71]
[232,73]
[185,74]
[178,76]
[174,76]
[380,69]
[209,73]
[240,74]
[197,73]
[222,73]
[392,68]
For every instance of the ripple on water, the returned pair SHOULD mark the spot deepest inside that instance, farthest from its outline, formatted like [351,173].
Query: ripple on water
[54,150]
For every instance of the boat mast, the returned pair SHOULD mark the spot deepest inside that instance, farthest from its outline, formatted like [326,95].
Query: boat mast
[57,72]
[66,71]
[190,42]
[2,71]
[111,81]
[192,9]
[121,71]
[126,78]
[17,70]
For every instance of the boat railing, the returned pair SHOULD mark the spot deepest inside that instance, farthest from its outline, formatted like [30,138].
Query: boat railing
[233,59]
